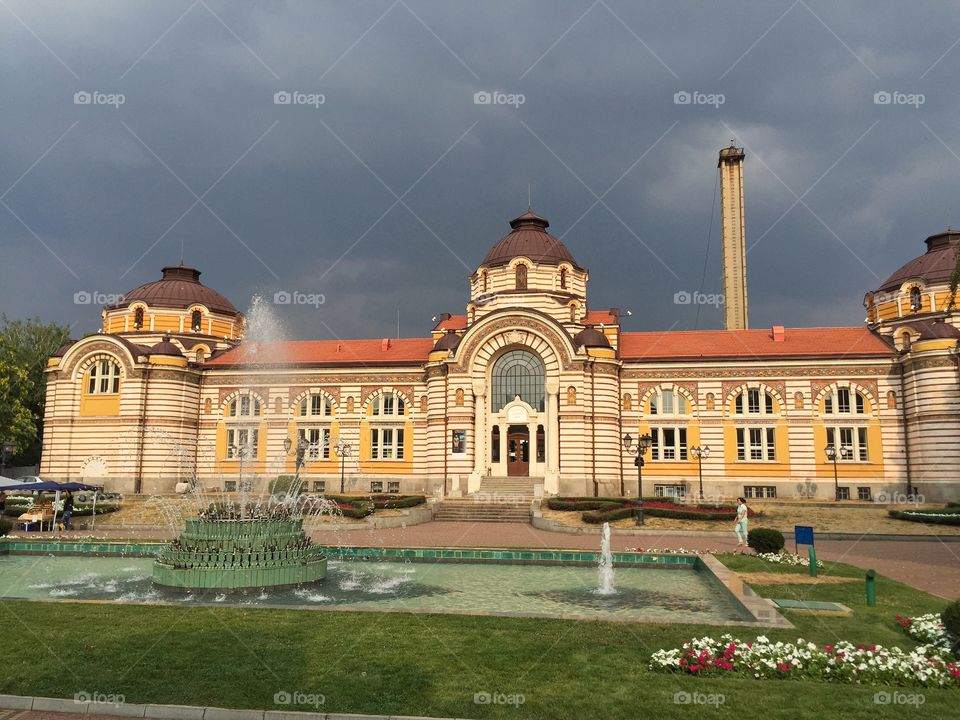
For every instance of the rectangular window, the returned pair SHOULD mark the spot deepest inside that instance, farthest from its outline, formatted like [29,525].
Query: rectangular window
[862,444]
[753,401]
[843,493]
[771,444]
[756,444]
[376,486]
[852,444]
[843,400]
[860,408]
[245,405]
[229,485]
[678,491]
[319,440]
[387,404]
[759,491]
[316,405]
[738,404]
[393,486]
[242,443]
[386,444]
[863,493]
[668,443]
[319,486]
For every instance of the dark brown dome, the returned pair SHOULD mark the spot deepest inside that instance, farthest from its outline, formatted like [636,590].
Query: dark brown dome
[165,347]
[448,341]
[530,239]
[62,350]
[590,337]
[934,267]
[180,287]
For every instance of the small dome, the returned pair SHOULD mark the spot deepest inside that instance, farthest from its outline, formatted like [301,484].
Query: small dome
[529,238]
[934,330]
[590,337]
[62,350]
[934,267]
[179,287]
[165,347]
[448,341]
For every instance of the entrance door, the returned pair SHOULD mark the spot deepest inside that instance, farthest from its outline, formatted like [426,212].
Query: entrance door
[518,450]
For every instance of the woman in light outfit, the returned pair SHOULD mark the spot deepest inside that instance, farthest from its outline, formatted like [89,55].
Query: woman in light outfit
[740,527]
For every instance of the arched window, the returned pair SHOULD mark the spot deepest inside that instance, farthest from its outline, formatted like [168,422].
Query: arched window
[753,402]
[244,406]
[196,320]
[316,405]
[138,318]
[839,401]
[627,402]
[387,440]
[483,281]
[563,278]
[916,300]
[668,402]
[573,312]
[518,372]
[103,378]
[521,277]
[201,356]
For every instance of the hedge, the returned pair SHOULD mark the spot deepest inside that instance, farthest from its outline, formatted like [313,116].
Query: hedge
[602,516]
[391,502]
[940,518]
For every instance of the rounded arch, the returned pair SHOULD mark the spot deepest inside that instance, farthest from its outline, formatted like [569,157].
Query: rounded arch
[627,402]
[779,402]
[693,408]
[870,402]
[237,394]
[388,390]
[518,372]
[505,329]
[294,408]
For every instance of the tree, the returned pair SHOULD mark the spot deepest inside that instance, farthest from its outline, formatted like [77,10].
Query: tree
[25,347]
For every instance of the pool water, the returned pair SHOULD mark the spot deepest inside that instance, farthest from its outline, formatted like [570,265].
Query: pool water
[641,594]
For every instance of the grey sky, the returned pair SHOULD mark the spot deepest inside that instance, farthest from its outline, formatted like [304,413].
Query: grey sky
[92,194]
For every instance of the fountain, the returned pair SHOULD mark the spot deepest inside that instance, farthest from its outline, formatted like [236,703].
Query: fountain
[237,546]
[605,565]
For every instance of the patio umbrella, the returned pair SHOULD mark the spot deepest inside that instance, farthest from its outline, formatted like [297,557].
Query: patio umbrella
[50,486]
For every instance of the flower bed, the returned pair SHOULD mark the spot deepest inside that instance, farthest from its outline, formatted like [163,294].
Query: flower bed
[785,558]
[949,515]
[842,663]
[927,629]
[601,510]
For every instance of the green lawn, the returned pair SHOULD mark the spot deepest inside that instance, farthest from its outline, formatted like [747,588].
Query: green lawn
[433,664]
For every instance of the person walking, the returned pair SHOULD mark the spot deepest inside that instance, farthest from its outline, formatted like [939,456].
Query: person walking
[740,526]
[67,511]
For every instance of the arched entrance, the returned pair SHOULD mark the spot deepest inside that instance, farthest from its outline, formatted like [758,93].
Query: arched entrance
[518,451]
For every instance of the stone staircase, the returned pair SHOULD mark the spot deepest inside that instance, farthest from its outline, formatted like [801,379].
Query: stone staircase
[500,499]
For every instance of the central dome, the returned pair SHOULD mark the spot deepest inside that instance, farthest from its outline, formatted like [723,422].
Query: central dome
[180,287]
[529,238]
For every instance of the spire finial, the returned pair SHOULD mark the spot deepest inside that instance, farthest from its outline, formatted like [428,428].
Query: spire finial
[529,197]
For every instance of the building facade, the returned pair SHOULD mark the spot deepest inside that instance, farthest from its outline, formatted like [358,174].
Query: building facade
[528,383]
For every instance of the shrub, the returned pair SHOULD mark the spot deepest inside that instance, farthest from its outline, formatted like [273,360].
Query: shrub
[390,502]
[931,517]
[765,540]
[950,618]
[5,526]
[281,485]
[602,516]
[583,504]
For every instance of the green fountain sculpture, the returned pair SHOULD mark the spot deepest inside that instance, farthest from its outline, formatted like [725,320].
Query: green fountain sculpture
[238,546]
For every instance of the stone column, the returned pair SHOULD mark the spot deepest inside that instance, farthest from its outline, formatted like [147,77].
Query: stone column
[480,436]
[551,480]
[503,448]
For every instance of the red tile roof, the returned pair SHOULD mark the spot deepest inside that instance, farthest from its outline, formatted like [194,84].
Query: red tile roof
[349,353]
[600,317]
[454,322]
[840,342]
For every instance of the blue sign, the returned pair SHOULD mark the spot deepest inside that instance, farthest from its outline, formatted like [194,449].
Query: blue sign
[802,535]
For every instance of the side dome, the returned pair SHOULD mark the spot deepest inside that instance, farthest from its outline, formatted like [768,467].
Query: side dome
[448,341]
[934,267]
[165,347]
[590,337]
[529,238]
[179,287]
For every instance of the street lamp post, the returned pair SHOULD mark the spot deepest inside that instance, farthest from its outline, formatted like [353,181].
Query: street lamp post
[240,452]
[643,442]
[833,454]
[343,452]
[6,450]
[301,451]
[700,453]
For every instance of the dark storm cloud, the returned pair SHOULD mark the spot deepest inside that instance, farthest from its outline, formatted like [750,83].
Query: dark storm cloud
[385,195]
